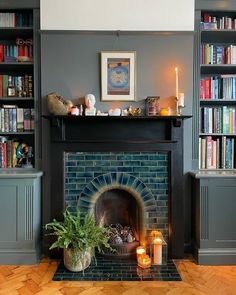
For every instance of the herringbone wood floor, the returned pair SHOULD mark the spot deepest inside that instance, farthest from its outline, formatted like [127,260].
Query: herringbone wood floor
[37,279]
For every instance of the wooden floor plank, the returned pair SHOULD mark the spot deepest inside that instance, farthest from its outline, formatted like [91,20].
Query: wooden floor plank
[197,280]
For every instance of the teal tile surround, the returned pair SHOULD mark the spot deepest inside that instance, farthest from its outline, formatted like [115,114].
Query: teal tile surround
[145,172]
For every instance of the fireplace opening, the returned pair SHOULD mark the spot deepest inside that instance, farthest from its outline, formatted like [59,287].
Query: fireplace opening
[118,210]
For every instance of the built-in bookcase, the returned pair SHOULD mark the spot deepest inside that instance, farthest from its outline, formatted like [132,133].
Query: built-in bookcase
[18,67]
[217,90]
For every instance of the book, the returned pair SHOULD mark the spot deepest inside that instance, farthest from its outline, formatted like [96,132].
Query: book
[27,119]
[20,119]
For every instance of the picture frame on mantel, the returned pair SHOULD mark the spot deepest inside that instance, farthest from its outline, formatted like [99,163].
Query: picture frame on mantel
[118,74]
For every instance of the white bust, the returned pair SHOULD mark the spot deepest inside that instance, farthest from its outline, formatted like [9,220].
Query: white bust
[90,101]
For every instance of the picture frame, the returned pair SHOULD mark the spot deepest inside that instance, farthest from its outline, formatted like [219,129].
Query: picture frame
[118,75]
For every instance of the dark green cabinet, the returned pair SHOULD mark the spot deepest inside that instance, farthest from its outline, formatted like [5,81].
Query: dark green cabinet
[214,207]
[20,220]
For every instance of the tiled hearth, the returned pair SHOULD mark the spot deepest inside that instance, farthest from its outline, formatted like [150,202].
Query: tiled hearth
[119,270]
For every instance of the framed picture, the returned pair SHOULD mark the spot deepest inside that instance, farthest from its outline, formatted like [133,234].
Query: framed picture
[118,75]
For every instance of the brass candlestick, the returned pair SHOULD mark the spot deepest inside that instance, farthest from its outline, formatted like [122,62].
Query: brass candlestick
[177,106]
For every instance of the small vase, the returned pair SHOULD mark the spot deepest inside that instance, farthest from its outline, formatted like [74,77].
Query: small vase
[77,260]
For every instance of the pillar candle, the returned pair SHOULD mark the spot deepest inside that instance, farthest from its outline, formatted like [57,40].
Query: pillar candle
[157,251]
[176,83]
[181,99]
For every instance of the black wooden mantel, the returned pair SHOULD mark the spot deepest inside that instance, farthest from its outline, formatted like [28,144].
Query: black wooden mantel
[98,134]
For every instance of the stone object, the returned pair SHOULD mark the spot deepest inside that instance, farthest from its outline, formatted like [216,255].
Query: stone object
[114,112]
[57,105]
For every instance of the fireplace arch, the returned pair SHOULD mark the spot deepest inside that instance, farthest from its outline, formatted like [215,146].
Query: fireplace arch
[122,182]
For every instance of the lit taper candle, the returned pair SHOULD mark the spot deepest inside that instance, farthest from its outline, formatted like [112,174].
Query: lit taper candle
[177,83]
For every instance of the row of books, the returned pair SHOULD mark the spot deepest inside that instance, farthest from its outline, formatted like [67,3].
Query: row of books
[216,153]
[218,87]
[218,120]
[13,152]
[13,119]
[23,85]
[13,53]
[218,22]
[217,54]
[12,19]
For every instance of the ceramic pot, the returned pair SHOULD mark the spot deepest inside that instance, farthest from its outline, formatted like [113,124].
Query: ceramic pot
[77,260]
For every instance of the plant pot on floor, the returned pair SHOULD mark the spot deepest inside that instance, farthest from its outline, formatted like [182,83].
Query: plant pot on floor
[75,260]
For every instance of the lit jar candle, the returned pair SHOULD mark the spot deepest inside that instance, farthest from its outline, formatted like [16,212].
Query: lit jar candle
[157,251]
[144,261]
[165,112]
[140,251]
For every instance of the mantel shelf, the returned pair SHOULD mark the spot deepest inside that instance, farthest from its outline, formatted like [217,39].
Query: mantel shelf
[109,118]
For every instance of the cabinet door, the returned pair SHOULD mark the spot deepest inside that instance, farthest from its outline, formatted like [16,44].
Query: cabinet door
[218,218]
[9,213]
[16,213]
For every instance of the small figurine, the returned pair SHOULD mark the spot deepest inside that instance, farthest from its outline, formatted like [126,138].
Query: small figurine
[114,112]
[99,113]
[74,111]
[134,111]
[90,101]
[24,155]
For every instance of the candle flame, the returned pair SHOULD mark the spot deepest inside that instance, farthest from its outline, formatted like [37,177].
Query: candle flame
[176,69]
[158,241]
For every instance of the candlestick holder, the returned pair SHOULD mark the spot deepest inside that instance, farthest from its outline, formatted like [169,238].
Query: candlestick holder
[177,106]
[180,107]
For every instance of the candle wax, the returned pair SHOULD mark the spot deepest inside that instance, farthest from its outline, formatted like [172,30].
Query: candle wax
[157,251]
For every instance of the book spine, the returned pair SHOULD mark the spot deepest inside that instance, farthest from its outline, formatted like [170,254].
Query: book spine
[209,153]
[203,153]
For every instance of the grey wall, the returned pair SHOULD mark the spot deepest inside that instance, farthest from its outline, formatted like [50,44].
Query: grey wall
[71,66]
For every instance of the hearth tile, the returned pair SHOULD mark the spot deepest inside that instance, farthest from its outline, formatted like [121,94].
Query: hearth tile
[119,270]
[124,157]
[93,157]
[125,169]
[140,157]
[109,157]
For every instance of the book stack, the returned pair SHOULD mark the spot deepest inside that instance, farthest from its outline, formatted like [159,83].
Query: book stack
[216,120]
[10,152]
[23,85]
[218,87]
[14,119]
[13,53]
[216,153]
[216,22]
[12,19]
[217,54]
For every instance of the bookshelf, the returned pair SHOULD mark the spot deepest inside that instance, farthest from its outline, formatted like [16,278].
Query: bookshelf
[19,91]
[217,90]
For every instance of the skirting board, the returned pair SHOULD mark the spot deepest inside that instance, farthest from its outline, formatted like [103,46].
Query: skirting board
[216,256]
[18,257]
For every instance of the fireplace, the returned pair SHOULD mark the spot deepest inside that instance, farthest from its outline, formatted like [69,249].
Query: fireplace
[76,138]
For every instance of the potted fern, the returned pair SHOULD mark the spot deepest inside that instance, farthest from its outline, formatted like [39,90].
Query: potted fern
[78,237]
